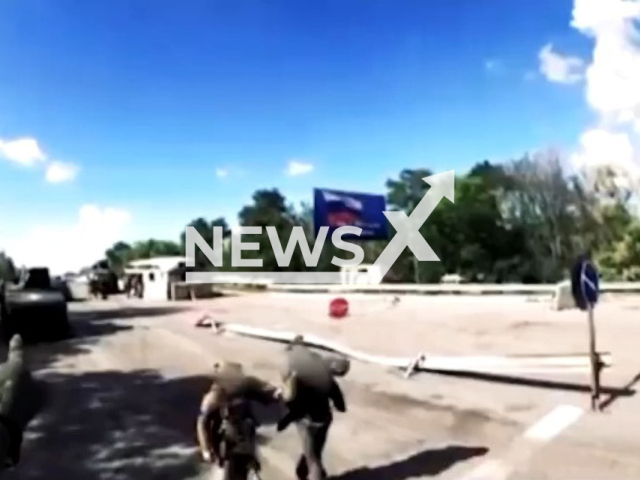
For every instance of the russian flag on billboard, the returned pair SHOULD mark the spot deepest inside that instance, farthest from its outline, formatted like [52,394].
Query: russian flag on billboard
[335,209]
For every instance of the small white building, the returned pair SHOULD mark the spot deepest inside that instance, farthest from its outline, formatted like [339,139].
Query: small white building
[157,274]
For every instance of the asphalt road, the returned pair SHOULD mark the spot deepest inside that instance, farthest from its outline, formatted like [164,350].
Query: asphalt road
[124,394]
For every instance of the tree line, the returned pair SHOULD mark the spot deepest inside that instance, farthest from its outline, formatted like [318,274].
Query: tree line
[522,221]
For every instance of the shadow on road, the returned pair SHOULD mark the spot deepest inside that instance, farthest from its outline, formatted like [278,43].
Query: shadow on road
[39,404]
[111,424]
[116,425]
[426,463]
[123,313]
[536,383]
[626,390]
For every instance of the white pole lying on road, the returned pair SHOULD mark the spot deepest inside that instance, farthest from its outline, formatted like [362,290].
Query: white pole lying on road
[532,364]
[313,341]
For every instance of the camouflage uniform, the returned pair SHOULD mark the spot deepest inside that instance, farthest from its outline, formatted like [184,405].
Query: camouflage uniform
[310,387]
[226,425]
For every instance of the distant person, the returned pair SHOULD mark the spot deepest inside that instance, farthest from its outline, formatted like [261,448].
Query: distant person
[128,285]
[310,388]
[133,286]
[226,427]
[138,289]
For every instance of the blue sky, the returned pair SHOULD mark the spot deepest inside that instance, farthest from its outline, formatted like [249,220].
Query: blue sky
[151,99]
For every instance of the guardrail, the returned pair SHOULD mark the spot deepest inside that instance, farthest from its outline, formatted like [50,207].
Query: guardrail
[453,289]
[424,289]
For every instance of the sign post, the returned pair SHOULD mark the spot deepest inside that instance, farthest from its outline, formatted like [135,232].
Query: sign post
[585,290]
[595,362]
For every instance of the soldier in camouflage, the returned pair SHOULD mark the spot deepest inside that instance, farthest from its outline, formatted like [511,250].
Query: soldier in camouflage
[310,388]
[226,426]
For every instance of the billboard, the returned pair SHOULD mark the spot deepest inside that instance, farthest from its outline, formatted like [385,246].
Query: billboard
[334,209]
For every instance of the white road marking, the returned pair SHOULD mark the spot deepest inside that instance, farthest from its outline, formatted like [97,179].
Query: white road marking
[554,423]
[541,432]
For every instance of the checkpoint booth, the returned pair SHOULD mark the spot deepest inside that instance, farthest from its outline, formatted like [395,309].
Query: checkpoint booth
[155,276]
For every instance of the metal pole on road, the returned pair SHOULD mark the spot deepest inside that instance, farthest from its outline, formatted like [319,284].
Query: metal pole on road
[595,361]
[585,287]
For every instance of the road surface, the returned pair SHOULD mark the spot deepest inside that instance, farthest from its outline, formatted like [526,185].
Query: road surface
[124,394]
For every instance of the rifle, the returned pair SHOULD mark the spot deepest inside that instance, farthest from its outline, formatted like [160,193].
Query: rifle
[237,430]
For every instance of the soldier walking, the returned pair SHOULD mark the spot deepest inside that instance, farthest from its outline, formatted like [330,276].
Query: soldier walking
[310,388]
[226,426]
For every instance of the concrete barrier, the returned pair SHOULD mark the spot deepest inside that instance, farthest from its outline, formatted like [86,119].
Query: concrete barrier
[563,297]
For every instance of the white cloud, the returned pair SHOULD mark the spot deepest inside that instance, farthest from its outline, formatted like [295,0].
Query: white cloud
[614,75]
[296,168]
[24,151]
[600,147]
[560,68]
[72,245]
[612,84]
[222,172]
[60,172]
[495,66]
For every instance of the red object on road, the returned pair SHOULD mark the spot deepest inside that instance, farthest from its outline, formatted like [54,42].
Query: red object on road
[338,308]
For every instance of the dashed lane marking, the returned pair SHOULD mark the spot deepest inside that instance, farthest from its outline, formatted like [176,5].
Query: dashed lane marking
[521,450]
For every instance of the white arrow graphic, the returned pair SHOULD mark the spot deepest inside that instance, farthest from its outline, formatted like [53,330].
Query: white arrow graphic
[408,228]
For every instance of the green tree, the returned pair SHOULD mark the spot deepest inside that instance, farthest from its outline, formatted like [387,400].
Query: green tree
[155,248]
[404,193]
[118,256]
[523,221]
[121,253]
[489,248]
[205,228]
[470,236]
[269,208]
[548,206]
[621,260]
[613,229]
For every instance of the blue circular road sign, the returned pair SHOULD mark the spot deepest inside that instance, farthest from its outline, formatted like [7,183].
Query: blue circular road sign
[584,282]
[589,284]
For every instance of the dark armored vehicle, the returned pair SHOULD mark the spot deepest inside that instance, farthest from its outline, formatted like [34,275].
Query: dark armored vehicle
[102,280]
[33,308]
